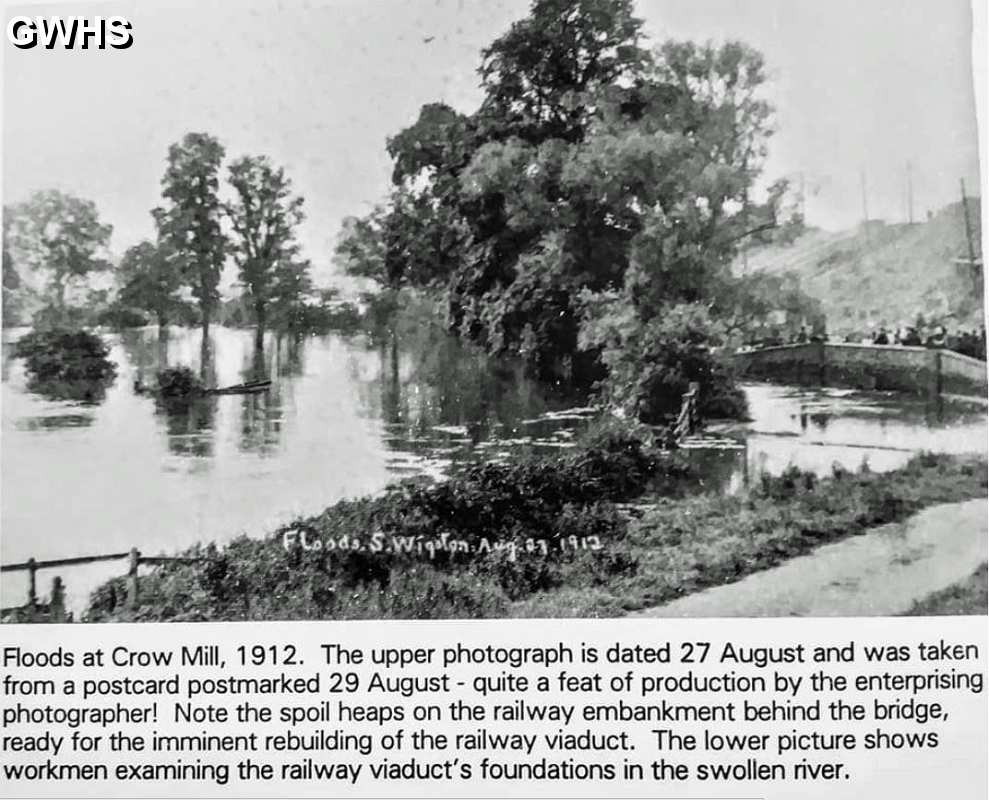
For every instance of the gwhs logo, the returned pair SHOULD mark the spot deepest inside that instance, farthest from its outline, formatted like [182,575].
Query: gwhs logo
[70,33]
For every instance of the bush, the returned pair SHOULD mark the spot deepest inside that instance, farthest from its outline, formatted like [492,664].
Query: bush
[651,363]
[178,382]
[491,534]
[720,398]
[66,364]
[675,548]
[119,317]
[65,319]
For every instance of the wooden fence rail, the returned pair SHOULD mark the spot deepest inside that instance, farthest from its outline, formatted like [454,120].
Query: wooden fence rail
[55,608]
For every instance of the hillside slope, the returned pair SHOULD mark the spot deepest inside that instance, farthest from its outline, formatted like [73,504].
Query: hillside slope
[880,274]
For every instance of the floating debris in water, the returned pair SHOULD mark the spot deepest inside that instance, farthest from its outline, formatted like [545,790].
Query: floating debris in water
[456,430]
[710,443]
[53,422]
[579,414]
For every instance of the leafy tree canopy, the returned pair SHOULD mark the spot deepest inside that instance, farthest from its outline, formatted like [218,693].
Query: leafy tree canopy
[57,238]
[150,279]
[189,223]
[594,167]
[264,215]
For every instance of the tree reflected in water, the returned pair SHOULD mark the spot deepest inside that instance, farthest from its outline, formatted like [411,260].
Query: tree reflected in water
[262,414]
[190,422]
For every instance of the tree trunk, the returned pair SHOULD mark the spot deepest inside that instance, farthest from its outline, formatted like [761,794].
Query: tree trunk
[260,317]
[59,282]
[162,347]
[258,368]
[206,358]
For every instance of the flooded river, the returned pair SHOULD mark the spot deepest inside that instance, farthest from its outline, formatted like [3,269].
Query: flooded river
[345,416]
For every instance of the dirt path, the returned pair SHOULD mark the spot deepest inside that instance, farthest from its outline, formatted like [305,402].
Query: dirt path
[882,572]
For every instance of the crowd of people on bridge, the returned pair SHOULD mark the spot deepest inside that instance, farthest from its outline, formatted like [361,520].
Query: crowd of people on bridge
[967,341]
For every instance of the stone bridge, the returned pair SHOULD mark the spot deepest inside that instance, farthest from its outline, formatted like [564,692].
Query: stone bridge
[883,367]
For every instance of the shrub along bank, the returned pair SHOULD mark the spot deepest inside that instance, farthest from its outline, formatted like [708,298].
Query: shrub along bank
[970,596]
[538,537]
[689,544]
[469,546]
[66,364]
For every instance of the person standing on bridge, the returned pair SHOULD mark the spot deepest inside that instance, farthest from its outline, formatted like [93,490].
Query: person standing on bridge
[938,339]
[911,338]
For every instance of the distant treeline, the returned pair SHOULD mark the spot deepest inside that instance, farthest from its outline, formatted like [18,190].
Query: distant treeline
[57,270]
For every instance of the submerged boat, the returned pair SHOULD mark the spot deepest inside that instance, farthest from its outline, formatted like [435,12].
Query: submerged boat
[249,387]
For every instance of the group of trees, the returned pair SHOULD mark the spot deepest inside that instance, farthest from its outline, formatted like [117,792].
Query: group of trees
[59,237]
[593,201]
[583,217]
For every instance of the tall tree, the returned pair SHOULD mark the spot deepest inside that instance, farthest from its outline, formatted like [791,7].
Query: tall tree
[541,77]
[360,249]
[599,190]
[11,279]
[150,278]
[264,215]
[190,223]
[56,238]
[291,288]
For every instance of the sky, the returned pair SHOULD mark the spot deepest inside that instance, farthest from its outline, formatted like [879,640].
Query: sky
[861,87]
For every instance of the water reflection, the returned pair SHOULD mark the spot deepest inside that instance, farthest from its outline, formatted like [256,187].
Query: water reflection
[54,422]
[344,416]
[189,424]
[85,392]
[261,415]
[815,429]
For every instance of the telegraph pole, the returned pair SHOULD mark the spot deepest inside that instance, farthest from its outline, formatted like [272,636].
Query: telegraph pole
[974,263]
[968,225]
[865,207]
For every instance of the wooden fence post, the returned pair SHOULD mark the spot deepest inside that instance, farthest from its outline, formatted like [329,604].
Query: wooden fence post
[56,605]
[32,582]
[134,562]
[695,390]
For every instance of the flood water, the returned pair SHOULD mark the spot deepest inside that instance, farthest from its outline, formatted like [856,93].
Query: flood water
[345,416]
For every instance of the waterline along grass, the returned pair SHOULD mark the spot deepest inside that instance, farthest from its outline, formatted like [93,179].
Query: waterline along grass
[535,537]
[689,544]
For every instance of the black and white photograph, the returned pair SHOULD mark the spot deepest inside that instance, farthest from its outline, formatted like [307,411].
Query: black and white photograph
[455,309]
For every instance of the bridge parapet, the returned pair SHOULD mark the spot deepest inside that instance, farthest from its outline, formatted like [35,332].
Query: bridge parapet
[884,367]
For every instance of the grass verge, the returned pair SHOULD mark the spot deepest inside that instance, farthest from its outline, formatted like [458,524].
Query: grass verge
[970,596]
[534,538]
[694,543]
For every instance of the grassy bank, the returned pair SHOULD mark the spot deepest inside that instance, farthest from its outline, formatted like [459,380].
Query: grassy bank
[537,537]
[970,596]
[470,546]
[687,545]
